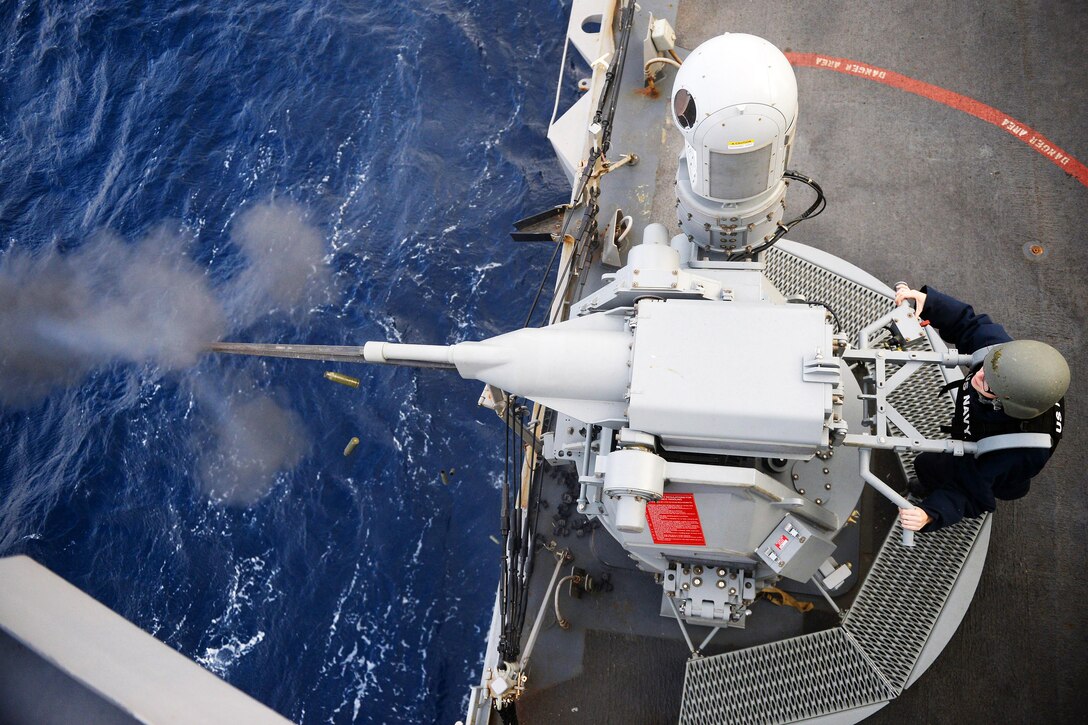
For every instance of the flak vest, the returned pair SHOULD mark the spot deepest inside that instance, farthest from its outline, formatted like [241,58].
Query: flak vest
[963,428]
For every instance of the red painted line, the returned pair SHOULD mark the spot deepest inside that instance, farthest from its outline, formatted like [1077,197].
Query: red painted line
[1021,131]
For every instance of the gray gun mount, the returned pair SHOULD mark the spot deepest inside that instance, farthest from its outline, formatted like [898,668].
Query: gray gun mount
[704,415]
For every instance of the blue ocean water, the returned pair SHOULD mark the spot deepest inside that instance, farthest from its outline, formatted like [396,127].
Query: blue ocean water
[312,171]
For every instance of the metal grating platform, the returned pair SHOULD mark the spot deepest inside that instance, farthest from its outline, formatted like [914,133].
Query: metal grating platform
[903,595]
[855,304]
[813,675]
[920,399]
[869,658]
[865,661]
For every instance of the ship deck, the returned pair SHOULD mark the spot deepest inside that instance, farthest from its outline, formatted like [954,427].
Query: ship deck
[948,138]
[921,190]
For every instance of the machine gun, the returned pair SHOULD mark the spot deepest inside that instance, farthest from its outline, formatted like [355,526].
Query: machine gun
[719,433]
[678,391]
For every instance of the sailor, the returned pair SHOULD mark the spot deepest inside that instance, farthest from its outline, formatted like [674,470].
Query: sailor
[1018,388]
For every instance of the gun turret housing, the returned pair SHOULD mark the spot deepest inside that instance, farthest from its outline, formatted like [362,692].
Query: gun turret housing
[732,374]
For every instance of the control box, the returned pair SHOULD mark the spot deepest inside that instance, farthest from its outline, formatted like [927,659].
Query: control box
[794,550]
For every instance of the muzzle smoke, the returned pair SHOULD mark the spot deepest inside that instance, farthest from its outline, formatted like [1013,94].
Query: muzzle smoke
[63,315]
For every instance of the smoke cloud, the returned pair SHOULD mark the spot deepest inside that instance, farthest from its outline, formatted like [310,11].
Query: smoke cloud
[285,262]
[253,438]
[63,315]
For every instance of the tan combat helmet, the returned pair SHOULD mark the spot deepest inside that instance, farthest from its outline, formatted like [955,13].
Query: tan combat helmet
[1027,376]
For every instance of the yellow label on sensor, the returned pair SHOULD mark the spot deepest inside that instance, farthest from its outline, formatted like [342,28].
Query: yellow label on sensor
[741,144]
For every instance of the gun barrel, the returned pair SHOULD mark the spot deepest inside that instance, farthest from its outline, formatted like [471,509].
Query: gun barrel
[427,356]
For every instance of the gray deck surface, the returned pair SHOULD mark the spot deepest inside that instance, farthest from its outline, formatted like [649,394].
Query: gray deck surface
[920,191]
[923,192]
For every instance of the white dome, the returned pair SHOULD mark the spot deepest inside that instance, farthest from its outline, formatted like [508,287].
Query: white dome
[732,70]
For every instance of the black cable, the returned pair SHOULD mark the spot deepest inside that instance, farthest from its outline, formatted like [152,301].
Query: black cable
[604,115]
[514,595]
[812,212]
[526,567]
[587,172]
[829,308]
[504,565]
[615,71]
[586,229]
[586,223]
[518,575]
[514,524]
[514,580]
[543,281]
[532,519]
[538,474]
[817,206]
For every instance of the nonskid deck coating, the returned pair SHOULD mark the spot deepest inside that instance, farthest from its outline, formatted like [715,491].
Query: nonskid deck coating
[922,191]
[933,189]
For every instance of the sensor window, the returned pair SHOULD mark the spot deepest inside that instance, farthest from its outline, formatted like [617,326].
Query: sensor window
[739,175]
[683,105]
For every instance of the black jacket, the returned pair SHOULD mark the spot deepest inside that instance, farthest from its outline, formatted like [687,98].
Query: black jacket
[964,485]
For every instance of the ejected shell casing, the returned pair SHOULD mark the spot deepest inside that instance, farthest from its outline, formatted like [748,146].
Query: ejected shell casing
[342,379]
[445,478]
[350,447]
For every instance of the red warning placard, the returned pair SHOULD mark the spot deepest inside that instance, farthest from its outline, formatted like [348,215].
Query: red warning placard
[675,520]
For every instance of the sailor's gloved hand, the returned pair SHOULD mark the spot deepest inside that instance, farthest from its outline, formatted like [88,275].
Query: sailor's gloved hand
[913,519]
[902,293]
